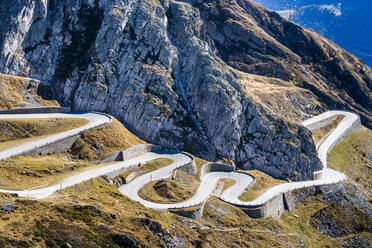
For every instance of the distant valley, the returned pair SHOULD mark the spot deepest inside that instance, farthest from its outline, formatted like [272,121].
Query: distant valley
[346,22]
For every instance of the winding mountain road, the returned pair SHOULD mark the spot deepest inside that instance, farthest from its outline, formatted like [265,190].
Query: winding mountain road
[95,120]
[328,176]
[207,186]
[208,181]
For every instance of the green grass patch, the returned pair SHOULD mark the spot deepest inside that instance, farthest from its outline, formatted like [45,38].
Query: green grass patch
[353,156]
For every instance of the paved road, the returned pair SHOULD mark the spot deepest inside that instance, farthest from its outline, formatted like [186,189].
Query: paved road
[207,186]
[329,176]
[244,181]
[328,143]
[87,175]
[208,182]
[94,119]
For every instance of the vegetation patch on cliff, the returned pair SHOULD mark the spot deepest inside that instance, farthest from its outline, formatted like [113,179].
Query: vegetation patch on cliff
[20,91]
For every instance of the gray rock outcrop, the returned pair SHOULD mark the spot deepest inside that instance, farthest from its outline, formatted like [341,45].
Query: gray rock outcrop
[150,64]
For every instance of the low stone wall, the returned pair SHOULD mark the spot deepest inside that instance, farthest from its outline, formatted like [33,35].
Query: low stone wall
[138,150]
[192,213]
[43,110]
[274,208]
[321,124]
[190,168]
[289,200]
[132,152]
[134,175]
[277,205]
[211,167]
[353,128]
[293,198]
[58,146]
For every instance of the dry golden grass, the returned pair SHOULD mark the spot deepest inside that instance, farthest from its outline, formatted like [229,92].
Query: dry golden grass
[298,222]
[227,183]
[163,191]
[179,187]
[100,142]
[229,224]
[26,172]
[353,156]
[15,90]
[16,131]
[281,99]
[81,216]
[263,183]
[318,134]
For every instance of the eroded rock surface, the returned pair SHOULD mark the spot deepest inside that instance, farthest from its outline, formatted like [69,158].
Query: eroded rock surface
[347,212]
[160,67]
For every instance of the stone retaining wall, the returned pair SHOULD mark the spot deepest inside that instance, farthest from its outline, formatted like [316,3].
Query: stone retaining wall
[132,152]
[192,213]
[190,168]
[321,124]
[288,200]
[353,128]
[211,167]
[44,110]
[58,146]
[277,205]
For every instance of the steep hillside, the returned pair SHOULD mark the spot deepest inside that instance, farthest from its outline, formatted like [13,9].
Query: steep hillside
[344,21]
[252,39]
[96,214]
[164,69]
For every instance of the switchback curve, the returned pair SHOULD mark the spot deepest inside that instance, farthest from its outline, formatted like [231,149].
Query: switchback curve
[208,181]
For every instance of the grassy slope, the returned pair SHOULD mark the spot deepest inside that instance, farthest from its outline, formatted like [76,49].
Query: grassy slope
[263,183]
[80,216]
[350,157]
[281,99]
[318,134]
[150,166]
[18,90]
[15,131]
[100,142]
[353,156]
[31,171]
[177,188]
[26,172]
[171,190]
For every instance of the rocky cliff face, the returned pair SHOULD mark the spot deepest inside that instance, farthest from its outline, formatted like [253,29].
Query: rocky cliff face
[254,40]
[162,68]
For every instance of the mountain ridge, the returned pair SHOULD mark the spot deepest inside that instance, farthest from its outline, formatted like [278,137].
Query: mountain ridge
[165,69]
